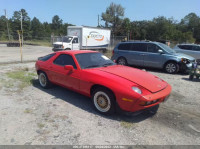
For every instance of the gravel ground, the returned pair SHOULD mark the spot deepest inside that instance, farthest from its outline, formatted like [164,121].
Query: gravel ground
[29,53]
[32,115]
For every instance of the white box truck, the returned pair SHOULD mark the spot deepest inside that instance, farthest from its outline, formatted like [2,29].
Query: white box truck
[84,38]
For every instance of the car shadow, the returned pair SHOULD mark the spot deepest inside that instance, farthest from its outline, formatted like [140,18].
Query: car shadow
[86,104]
[193,80]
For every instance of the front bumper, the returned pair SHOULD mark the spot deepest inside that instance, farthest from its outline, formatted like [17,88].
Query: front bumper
[159,97]
[185,67]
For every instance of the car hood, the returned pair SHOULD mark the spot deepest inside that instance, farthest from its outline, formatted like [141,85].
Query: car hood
[181,55]
[142,78]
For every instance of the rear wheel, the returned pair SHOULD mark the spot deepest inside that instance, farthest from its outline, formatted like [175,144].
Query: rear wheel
[103,100]
[171,67]
[122,61]
[43,80]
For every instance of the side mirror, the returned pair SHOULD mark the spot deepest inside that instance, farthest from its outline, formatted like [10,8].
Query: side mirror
[69,67]
[160,51]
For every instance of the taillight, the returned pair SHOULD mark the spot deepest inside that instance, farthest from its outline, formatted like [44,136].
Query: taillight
[113,52]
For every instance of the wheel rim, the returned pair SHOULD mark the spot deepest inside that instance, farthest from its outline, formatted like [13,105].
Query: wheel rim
[42,79]
[102,101]
[122,61]
[171,67]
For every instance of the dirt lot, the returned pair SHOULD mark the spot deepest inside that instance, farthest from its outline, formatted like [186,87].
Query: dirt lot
[32,115]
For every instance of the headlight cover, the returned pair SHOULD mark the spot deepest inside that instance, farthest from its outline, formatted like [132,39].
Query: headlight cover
[184,60]
[137,90]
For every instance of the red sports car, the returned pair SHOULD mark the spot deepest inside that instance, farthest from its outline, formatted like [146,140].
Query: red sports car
[92,74]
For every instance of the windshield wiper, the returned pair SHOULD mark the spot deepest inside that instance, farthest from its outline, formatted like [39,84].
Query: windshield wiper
[91,66]
[107,64]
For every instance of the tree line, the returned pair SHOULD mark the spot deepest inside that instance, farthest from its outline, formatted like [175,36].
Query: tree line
[159,28]
[32,29]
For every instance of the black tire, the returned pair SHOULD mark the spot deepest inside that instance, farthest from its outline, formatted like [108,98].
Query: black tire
[171,67]
[43,80]
[103,101]
[122,61]
[67,49]
[151,111]
[191,77]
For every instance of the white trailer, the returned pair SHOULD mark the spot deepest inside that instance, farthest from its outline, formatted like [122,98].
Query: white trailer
[83,37]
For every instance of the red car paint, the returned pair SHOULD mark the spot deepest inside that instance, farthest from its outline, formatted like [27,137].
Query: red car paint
[119,79]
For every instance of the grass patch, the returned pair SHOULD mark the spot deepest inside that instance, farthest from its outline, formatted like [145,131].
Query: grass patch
[23,76]
[40,125]
[127,125]
[28,111]
[40,42]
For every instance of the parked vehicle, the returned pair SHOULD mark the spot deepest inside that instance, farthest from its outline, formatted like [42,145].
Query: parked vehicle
[189,49]
[151,54]
[82,37]
[109,85]
[194,71]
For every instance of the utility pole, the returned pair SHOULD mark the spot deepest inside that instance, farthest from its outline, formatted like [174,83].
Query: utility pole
[7,25]
[22,30]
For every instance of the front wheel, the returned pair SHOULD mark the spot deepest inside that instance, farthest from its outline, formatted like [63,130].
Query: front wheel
[122,61]
[104,101]
[171,67]
[67,49]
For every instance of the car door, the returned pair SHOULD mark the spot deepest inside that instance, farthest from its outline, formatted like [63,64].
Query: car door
[75,44]
[59,75]
[153,58]
[137,53]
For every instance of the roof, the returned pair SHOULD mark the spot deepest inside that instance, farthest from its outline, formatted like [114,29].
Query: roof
[189,44]
[88,27]
[139,42]
[76,51]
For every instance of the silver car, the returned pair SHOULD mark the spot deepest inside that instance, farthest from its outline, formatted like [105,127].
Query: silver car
[151,54]
[189,49]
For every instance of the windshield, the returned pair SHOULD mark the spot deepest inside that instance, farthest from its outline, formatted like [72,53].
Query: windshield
[92,60]
[166,48]
[67,39]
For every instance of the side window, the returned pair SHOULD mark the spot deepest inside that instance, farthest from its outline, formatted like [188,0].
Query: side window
[196,48]
[75,40]
[124,46]
[185,47]
[65,59]
[153,48]
[142,47]
[181,46]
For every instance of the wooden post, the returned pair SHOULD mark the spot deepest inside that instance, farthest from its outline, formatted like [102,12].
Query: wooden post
[19,32]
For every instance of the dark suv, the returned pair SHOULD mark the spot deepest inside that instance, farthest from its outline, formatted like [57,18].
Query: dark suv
[151,54]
